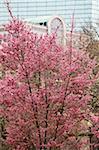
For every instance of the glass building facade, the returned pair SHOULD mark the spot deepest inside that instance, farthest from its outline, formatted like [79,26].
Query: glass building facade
[85,10]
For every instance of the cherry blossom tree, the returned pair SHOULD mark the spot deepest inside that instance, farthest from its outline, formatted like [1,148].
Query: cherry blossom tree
[44,91]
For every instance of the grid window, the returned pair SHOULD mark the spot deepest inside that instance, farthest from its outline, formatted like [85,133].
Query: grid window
[84,9]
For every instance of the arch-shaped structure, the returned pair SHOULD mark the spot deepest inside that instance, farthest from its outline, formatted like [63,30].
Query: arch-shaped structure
[51,25]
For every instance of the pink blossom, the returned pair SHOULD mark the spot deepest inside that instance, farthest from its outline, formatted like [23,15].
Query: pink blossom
[44,90]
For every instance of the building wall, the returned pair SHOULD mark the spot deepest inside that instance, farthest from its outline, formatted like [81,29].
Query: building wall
[83,9]
[95,11]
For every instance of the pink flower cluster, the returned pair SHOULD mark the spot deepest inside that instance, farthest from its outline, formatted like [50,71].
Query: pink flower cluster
[44,90]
